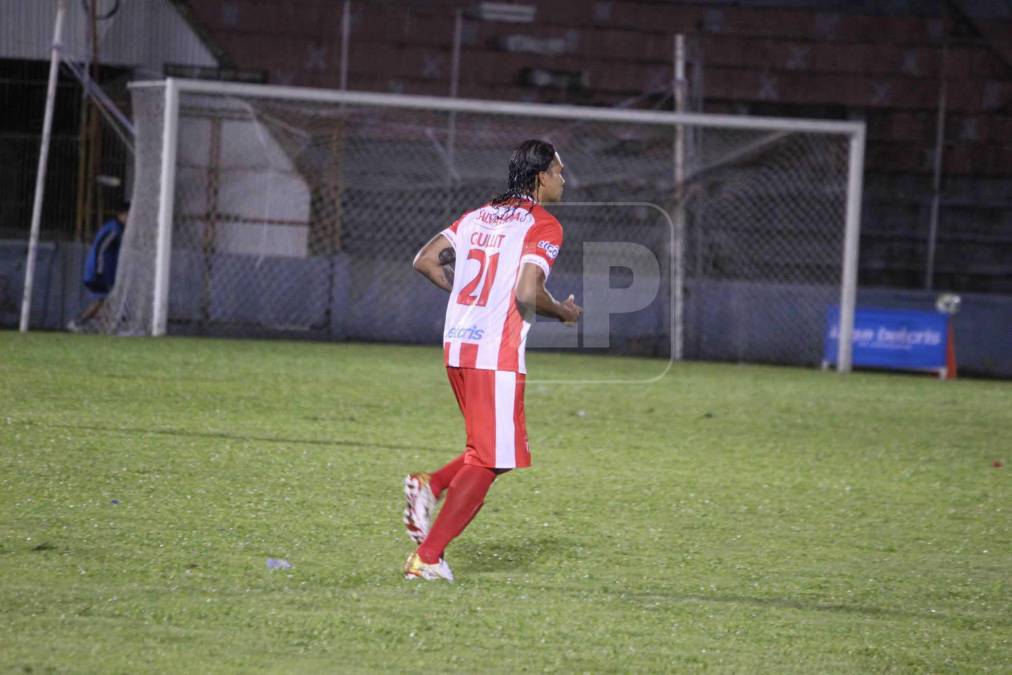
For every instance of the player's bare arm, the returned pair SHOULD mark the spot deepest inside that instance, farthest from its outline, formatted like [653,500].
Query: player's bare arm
[533,295]
[432,258]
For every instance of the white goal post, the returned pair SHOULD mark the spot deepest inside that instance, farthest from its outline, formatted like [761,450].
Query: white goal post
[774,203]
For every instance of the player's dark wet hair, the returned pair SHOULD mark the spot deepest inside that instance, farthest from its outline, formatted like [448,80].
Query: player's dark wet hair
[529,159]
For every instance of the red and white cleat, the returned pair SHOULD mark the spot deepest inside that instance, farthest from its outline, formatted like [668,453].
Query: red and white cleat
[420,504]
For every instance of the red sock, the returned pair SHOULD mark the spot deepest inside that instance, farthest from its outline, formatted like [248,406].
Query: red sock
[441,479]
[467,494]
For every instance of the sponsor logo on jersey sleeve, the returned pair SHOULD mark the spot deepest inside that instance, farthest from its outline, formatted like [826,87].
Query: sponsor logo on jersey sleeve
[551,249]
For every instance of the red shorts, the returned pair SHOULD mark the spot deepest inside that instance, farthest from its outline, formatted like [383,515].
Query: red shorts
[492,402]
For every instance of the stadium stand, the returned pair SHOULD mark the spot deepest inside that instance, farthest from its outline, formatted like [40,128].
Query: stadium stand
[873,61]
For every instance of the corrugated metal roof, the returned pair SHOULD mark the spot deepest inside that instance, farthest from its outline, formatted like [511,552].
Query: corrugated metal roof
[142,33]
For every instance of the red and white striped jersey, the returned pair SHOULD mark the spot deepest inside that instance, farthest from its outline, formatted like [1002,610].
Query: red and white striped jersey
[483,327]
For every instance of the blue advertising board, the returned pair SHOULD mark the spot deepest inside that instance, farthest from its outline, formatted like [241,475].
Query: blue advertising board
[892,338]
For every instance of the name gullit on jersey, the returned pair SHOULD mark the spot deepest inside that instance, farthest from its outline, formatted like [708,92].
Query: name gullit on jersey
[487,240]
[470,333]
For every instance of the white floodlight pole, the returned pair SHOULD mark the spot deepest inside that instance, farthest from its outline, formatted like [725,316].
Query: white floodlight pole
[848,289]
[40,177]
[678,245]
[163,246]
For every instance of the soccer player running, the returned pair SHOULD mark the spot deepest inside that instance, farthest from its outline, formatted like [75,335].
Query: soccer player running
[503,253]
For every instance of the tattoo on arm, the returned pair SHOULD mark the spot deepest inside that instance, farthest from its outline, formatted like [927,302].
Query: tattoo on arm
[447,258]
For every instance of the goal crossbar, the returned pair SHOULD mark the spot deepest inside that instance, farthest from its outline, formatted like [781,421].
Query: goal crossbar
[465,105]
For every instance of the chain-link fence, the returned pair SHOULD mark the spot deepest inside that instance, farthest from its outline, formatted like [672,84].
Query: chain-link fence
[301,217]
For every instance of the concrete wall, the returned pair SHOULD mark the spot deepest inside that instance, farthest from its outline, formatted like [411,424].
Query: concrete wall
[57,291]
[342,298]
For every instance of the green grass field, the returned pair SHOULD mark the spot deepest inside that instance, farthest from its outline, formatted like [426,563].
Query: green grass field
[727,518]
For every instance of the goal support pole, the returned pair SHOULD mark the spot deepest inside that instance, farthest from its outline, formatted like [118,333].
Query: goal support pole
[852,233]
[40,177]
[678,245]
[166,197]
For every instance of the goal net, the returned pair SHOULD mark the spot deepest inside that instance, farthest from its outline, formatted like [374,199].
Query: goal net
[279,211]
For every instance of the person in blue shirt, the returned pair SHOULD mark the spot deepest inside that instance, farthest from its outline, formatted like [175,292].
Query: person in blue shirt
[100,265]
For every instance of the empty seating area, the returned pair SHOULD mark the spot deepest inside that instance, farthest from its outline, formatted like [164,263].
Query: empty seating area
[827,59]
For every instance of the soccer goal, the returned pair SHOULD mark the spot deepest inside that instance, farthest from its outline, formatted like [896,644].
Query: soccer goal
[266,210]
